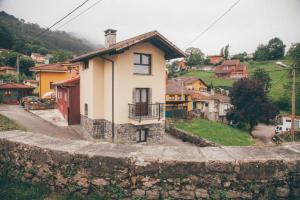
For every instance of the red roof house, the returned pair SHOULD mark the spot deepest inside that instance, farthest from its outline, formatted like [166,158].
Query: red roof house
[231,69]
[68,99]
[11,93]
[215,59]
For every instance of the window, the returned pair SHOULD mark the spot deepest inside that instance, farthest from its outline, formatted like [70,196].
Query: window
[288,120]
[51,85]
[85,65]
[186,97]
[172,97]
[142,135]
[86,109]
[179,98]
[142,64]
[7,93]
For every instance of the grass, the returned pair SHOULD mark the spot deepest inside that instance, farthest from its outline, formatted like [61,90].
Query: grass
[279,78]
[16,190]
[216,132]
[6,124]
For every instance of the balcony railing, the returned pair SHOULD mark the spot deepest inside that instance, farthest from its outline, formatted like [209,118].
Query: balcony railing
[143,111]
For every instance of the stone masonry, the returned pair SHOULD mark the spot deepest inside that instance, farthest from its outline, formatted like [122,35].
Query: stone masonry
[152,172]
[124,133]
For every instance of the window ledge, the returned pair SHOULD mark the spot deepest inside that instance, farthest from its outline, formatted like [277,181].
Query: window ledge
[142,74]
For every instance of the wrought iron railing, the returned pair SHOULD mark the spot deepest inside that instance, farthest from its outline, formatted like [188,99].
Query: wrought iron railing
[141,111]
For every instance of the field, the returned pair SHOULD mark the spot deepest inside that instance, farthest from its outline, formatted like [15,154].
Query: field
[216,132]
[279,78]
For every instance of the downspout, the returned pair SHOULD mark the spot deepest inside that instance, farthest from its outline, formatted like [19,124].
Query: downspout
[112,96]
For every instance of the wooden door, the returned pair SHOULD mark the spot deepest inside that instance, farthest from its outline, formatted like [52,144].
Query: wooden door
[141,101]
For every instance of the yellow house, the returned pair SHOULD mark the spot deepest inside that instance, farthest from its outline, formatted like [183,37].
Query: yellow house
[193,83]
[48,74]
[122,88]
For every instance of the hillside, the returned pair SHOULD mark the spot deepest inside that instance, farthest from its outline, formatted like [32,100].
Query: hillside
[22,34]
[279,79]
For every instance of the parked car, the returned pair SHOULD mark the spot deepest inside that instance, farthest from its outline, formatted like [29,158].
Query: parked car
[29,99]
[280,129]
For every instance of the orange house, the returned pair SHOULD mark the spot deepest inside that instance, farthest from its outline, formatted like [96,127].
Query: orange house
[214,59]
[48,74]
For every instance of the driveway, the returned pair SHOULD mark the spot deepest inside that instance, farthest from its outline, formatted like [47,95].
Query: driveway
[264,133]
[36,124]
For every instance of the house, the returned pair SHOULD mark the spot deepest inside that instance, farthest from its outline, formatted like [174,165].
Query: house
[181,65]
[7,70]
[122,88]
[38,58]
[215,59]
[287,122]
[48,74]
[192,83]
[34,84]
[68,99]
[231,69]
[11,93]
[178,99]
[218,107]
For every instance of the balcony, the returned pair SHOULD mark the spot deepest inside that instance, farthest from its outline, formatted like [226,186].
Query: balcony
[144,111]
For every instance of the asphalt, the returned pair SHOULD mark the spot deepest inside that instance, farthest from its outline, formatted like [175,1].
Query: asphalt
[264,133]
[36,124]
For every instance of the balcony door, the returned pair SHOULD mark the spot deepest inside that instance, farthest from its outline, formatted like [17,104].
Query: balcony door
[141,101]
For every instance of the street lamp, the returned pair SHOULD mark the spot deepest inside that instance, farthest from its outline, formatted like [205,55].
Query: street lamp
[293,68]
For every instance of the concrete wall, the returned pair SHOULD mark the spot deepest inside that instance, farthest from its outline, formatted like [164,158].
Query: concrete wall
[152,171]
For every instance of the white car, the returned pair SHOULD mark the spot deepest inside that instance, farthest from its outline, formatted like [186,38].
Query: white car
[280,129]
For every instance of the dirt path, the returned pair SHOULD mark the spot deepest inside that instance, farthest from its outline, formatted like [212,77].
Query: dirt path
[36,124]
[264,133]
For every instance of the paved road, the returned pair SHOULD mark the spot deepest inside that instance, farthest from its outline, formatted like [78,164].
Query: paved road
[264,133]
[36,124]
[172,141]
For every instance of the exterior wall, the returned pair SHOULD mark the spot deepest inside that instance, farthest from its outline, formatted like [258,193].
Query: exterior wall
[10,72]
[62,101]
[15,96]
[189,103]
[196,85]
[47,77]
[215,59]
[149,172]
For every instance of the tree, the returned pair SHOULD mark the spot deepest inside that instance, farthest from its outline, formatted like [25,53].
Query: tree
[262,76]
[60,56]
[240,56]
[194,56]
[276,48]
[226,52]
[261,53]
[6,40]
[42,51]
[250,103]
[25,64]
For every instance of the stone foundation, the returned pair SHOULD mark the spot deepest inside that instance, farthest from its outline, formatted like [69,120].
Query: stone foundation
[124,133]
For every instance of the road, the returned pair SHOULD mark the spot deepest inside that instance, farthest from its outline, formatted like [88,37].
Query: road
[36,124]
[264,133]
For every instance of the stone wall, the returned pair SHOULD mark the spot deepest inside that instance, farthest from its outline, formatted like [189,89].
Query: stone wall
[124,133]
[151,172]
[188,137]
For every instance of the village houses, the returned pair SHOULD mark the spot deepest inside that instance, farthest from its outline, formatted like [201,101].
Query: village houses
[48,74]
[231,69]
[7,70]
[122,88]
[215,59]
[41,59]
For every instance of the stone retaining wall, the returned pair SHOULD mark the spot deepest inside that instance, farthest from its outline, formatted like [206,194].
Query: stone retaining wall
[188,137]
[150,172]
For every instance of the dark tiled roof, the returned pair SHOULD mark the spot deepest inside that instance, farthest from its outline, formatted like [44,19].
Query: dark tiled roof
[68,82]
[153,37]
[58,67]
[14,86]
[174,87]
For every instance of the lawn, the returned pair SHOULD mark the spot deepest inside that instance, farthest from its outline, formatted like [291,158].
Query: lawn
[279,78]
[216,132]
[7,124]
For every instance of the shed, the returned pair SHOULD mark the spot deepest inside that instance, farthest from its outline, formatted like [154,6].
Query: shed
[11,93]
[68,99]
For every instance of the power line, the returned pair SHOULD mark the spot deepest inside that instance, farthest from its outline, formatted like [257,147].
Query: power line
[38,35]
[212,24]
[79,14]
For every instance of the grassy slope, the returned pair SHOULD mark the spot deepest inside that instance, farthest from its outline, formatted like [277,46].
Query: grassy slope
[216,132]
[279,78]
[7,124]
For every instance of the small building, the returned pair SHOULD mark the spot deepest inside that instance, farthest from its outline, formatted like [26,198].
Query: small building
[34,84]
[11,93]
[231,69]
[181,65]
[215,59]
[38,58]
[7,70]
[218,107]
[192,83]
[68,99]
[48,74]
[287,122]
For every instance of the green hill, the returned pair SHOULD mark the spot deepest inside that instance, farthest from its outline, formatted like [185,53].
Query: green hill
[19,37]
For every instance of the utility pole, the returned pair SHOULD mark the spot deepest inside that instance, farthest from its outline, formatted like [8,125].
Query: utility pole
[18,67]
[293,101]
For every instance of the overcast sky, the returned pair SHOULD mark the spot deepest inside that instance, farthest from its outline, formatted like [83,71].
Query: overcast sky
[250,23]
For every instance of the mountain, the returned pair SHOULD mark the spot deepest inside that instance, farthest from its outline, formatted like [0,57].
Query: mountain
[19,37]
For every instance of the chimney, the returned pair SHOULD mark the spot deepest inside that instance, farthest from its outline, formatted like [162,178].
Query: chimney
[110,37]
